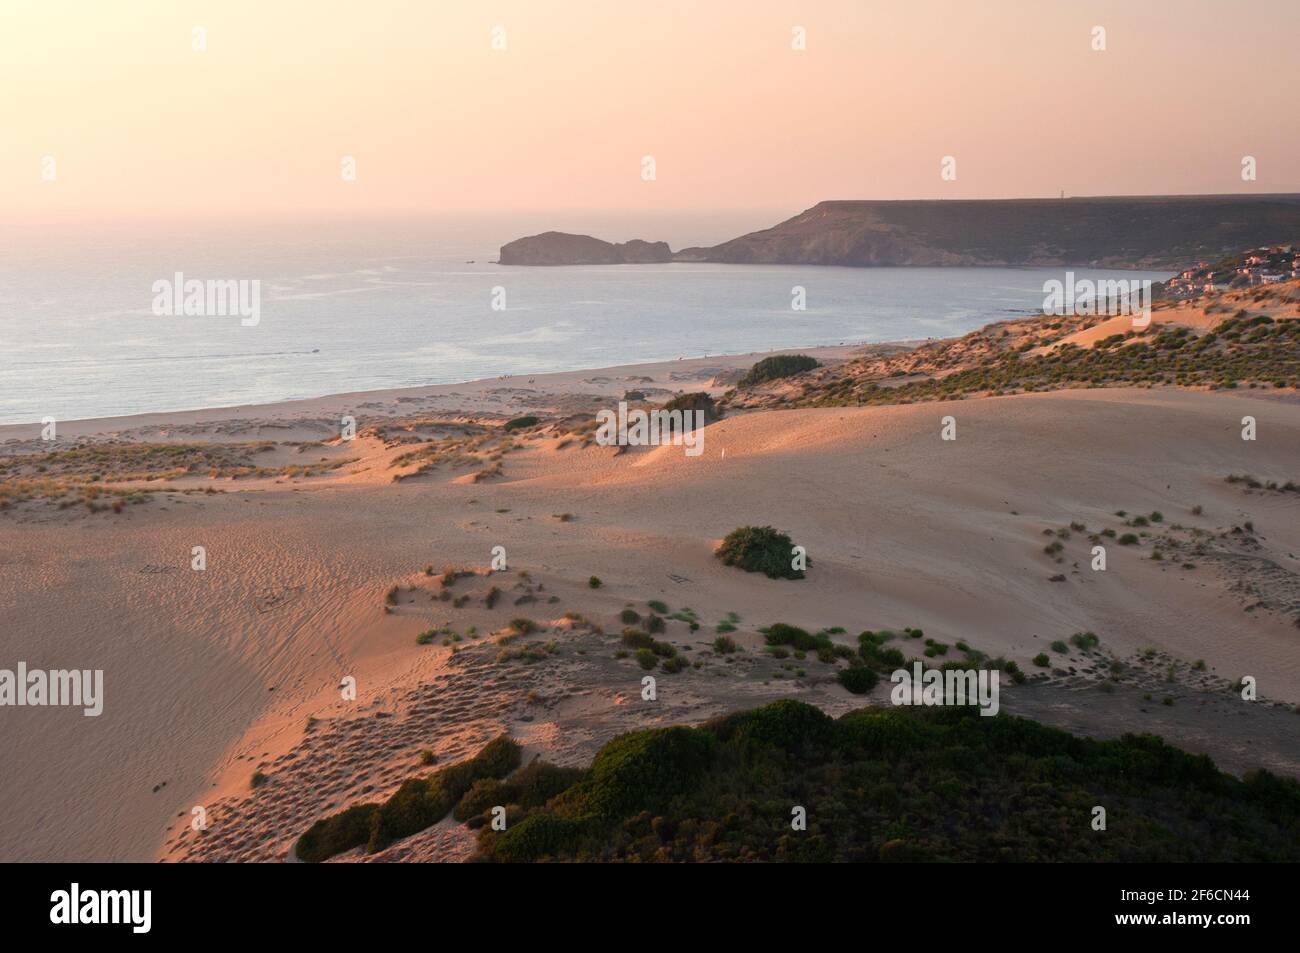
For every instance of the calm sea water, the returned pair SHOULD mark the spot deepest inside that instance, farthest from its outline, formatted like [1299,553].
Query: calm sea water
[346,309]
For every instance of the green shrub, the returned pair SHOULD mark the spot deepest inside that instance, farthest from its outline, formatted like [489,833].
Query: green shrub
[531,786]
[788,724]
[483,794]
[536,783]
[858,679]
[630,617]
[519,423]
[415,805]
[760,549]
[335,835]
[724,645]
[1041,660]
[642,770]
[781,634]
[1084,640]
[699,400]
[536,837]
[498,758]
[777,366]
[874,655]
[636,639]
[421,802]
[881,732]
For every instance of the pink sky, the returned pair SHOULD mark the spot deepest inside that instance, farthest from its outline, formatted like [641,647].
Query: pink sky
[141,125]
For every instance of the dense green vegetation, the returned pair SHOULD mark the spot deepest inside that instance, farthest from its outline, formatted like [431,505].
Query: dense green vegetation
[418,803]
[898,784]
[779,365]
[760,549]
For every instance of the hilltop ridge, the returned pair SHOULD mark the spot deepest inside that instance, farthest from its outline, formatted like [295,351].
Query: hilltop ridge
[1104,232]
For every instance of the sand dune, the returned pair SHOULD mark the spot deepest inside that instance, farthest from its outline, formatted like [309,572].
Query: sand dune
[211,676]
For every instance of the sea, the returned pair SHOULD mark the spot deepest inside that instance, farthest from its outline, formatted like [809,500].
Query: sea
[346,306]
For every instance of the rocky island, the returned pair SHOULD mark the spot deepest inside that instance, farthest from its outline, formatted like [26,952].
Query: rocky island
[562,248]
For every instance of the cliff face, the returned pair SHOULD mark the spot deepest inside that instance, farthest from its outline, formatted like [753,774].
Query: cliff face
[1139,232]
[561,248]
[1151,232]
[833,233]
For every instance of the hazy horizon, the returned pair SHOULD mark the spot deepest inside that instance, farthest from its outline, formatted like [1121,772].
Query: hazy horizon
[140,126]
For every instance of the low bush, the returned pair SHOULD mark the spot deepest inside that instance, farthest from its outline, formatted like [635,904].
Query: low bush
[724,645]
[521,423]
[335,835]
[699,400]
[858,679]
[417,804]
[777,366]
[760,549]
[781,634]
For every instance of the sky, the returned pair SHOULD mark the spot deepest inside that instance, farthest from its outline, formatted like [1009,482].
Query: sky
[110,113]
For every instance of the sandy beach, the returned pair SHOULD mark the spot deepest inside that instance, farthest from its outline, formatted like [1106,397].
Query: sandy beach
[332,570]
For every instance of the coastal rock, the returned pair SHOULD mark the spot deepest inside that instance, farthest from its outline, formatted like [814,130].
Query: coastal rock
[563,248]
[638,252]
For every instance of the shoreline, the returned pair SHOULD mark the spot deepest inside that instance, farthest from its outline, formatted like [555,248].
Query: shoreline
[686,369]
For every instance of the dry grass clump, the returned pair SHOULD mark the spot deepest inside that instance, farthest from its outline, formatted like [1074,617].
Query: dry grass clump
[85,474]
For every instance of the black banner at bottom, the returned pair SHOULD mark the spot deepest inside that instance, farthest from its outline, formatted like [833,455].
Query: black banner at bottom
[340,901]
